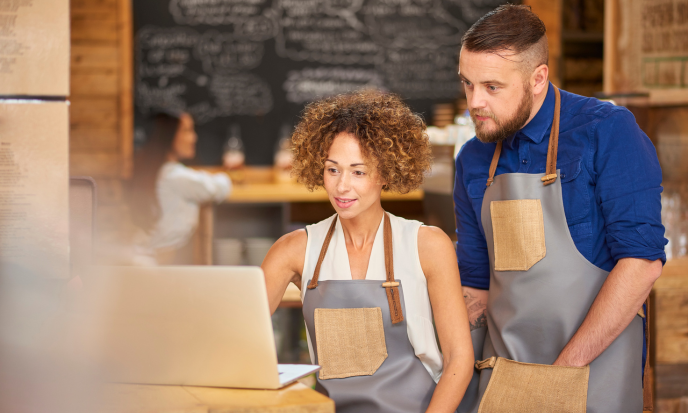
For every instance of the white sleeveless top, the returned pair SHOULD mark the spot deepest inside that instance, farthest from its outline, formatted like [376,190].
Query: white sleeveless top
[407,268]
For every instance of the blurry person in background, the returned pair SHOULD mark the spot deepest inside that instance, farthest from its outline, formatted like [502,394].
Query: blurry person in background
[165,195]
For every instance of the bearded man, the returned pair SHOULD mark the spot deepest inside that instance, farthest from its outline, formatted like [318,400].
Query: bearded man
[557,203]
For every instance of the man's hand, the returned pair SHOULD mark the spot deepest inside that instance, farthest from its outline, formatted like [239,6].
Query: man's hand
[618,301]
[476,304]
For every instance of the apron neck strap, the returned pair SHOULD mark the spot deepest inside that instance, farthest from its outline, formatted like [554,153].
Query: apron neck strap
[551,169]
[493,164]
[390,285]
[323,251]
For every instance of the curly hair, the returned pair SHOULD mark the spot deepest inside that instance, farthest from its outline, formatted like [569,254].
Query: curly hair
[392,137]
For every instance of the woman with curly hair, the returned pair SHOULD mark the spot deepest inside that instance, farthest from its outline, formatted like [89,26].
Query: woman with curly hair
[371,282]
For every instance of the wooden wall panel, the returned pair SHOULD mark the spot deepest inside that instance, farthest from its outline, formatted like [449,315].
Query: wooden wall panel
[100,56]
[95,84]
[101,121]
[94,5]
[101,94]
[97,164]
[83,141]
[100,112]
[94,26]
[550,12]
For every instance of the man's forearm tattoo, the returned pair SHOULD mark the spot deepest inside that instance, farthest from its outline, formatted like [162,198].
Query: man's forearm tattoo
[476,311]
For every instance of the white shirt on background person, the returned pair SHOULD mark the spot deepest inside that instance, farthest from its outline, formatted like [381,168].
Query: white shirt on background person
[180,191]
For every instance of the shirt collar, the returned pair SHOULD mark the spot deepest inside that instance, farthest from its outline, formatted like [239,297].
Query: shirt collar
[535,129]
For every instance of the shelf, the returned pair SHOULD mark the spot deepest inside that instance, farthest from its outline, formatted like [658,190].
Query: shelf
[582,37]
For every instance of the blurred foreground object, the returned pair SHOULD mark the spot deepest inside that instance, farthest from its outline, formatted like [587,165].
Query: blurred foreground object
[31,65]
[34,197]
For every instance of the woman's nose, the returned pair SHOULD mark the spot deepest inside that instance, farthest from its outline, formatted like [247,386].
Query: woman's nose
[343,183]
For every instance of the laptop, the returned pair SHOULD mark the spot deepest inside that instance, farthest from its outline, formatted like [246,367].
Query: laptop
[187,325]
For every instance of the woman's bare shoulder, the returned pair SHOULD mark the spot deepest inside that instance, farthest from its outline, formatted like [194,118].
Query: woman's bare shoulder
[430,238]
[290,250]
[294,241]
[435,250]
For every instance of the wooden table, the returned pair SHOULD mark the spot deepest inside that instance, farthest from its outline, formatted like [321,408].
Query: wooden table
[133,398]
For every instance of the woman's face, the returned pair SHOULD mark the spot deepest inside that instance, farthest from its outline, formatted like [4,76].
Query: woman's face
[352,184]
[184,144]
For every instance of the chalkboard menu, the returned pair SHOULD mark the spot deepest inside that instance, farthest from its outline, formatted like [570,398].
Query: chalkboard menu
[256,63]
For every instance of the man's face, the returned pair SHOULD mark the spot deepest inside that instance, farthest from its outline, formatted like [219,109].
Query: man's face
[499,95]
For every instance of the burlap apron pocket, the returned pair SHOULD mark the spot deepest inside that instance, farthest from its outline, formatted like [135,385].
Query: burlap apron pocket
[350,341]
[516,387]
[518,230]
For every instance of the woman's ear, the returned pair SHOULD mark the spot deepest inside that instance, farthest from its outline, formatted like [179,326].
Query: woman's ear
[382,182]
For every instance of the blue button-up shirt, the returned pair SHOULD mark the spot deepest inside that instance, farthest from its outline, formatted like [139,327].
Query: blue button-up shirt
[610,179]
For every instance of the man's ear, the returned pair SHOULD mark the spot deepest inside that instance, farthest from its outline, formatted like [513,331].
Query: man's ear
[539,79]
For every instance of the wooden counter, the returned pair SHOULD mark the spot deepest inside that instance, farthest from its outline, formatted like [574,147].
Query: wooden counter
[292,192]
[259,185]
[134,398]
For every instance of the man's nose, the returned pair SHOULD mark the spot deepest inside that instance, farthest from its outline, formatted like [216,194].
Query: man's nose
[476,99]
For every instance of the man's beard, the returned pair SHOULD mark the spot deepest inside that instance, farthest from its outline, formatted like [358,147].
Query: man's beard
[505,128]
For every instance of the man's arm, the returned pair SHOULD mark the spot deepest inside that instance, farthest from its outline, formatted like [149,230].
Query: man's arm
[471,248]
[618,301]
[476,304]
[628,184]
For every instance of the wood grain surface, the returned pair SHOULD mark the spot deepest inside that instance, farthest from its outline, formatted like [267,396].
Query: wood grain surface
[133,398]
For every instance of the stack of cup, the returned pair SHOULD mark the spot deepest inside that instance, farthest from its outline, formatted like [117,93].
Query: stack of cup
[228,251]
[257,249]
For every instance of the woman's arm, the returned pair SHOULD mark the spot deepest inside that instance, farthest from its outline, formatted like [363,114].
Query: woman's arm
[284,264]
[201,186]
[438,260]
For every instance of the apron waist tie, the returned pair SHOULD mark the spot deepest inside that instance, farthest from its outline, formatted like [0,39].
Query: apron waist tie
[485,364]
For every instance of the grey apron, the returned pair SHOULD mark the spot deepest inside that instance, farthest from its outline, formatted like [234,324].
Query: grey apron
[401,383]
[533,313]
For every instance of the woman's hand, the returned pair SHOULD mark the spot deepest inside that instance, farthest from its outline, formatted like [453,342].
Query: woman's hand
[438,260]
[284,264]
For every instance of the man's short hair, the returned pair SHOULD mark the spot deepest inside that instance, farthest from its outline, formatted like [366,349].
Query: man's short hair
[512,29]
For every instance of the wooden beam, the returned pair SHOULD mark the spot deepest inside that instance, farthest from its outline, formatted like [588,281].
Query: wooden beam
[611,34]
[550,12]
[203,237]
[126,87]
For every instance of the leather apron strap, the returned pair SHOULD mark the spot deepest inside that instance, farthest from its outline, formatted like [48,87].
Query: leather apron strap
[390,285]
[648,396]
[551,169]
